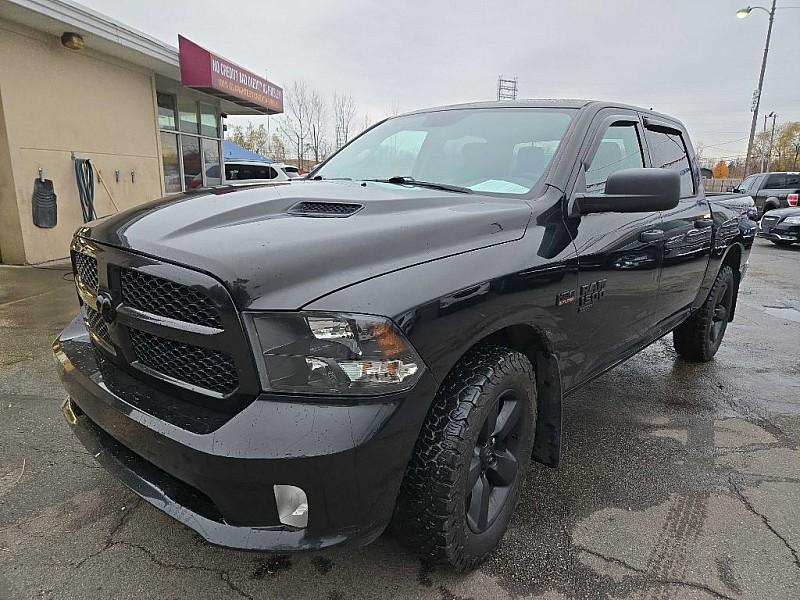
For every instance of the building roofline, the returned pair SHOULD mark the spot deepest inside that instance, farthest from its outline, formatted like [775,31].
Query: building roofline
[105,35]
[83,20]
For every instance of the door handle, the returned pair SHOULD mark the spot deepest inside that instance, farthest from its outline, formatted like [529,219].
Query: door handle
[701,223]
[653,235]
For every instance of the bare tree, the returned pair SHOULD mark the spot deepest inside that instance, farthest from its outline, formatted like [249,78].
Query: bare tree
[294,125]
[394,108]
[278,148]
[317,117]
[699,149]
[344,111]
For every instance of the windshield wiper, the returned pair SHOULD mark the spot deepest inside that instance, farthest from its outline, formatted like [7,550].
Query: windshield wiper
[407,180]
[321,178]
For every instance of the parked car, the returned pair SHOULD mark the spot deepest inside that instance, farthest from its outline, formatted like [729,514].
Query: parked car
[244,171]
[291,171]
[781,226]
[391,340]
[743,203]
[771,190]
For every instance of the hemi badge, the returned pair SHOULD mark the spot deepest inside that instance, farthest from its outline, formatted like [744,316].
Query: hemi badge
[567,297]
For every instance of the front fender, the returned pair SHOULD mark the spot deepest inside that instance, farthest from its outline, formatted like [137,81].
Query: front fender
[447,306]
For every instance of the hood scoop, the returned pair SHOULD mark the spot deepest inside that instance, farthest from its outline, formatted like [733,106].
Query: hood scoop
[324,209]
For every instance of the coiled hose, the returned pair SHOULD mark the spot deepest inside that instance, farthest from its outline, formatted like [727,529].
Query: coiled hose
[84,173]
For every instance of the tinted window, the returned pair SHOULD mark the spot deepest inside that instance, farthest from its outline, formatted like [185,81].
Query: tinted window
[234,172]
[619,149]
[668,151]
[778,181]
[775,182]
[747,183]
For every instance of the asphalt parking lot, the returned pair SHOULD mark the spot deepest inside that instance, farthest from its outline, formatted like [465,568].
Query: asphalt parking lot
[677,481]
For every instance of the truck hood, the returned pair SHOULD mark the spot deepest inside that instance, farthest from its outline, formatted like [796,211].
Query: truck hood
[270,258]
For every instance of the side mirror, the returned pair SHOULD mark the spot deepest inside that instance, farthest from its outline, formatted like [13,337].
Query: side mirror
[732,189]
[634,190]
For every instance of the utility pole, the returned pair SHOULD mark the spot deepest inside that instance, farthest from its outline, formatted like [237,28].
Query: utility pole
[757,94]
[763,153]
[771,140]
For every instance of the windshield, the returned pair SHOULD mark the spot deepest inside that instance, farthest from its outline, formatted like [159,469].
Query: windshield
[745,185]
[503,151]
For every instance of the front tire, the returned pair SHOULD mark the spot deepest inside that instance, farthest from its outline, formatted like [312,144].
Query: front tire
[699,337]
[465,477]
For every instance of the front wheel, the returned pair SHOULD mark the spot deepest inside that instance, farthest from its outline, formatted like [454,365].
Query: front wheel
[469,464]
[699,337]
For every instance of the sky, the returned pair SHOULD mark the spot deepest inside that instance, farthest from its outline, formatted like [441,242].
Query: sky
[692,59]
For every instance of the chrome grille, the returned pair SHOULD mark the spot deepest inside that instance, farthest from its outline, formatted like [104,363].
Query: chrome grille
[168,299]
[85,269]
[768,223]
[203,367]
[96,324]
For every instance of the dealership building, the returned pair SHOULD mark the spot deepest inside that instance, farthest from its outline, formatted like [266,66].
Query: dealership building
[77,85]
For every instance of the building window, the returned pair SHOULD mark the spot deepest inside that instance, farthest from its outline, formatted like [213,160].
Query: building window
[166,111]
[190,143]
[211,165]
[208,120]
[171,162]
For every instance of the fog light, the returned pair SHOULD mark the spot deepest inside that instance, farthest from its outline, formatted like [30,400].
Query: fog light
[292,505]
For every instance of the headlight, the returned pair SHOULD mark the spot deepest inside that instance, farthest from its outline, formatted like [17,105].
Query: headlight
[327,353]
[792,220]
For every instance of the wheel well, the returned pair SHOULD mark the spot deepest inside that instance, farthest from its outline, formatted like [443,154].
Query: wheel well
[734,259]
[774,202]
[522,338]
[536,346]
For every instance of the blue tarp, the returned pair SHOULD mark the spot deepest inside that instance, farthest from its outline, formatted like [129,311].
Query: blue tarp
[233,151]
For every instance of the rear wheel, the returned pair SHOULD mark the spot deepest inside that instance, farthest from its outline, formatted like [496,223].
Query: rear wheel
[699,337]
[465,477]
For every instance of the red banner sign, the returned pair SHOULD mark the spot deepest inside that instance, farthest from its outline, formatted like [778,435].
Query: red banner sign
[220,77]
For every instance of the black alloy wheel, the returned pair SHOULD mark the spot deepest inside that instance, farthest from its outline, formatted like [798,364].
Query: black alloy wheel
[699,337]
[469,464]
[494,465]
[722,311]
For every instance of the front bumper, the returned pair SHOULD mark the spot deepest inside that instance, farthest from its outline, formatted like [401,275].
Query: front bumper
[789,233]
[349,458]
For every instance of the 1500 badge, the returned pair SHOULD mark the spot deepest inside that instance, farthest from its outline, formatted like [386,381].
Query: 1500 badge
[590,293]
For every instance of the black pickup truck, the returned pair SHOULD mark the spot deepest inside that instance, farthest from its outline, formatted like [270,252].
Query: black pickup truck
[299,364]
[771,190]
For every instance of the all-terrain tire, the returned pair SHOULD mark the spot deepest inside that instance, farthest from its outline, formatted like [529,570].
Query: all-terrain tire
[699,337]
[431,515]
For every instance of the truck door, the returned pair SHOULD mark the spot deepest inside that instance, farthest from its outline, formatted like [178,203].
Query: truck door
[619,254]
[688,228]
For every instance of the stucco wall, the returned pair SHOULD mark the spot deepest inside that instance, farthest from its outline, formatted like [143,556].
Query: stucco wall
[57,102]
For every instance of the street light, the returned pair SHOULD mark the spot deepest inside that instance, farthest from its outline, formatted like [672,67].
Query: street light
[742,13]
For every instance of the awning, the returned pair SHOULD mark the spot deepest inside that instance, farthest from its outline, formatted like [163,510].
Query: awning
[233,151]
[217,76]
